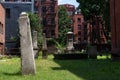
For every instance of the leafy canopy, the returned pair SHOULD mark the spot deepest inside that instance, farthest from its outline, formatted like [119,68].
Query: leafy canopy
[64,24]
[92,8]
[36,26]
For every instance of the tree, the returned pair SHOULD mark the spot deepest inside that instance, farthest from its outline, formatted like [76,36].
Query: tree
[64,24]
[92,8]
[36,26]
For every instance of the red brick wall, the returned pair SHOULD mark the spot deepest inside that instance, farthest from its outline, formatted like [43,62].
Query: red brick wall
[49,15]
[75,27]
[115,24]
[2,23]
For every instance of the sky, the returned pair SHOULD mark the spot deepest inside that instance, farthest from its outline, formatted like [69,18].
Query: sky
[73,2]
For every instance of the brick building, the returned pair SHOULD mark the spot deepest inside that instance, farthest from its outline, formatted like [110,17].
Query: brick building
[78,28]
[2,29]
[48,10]
[82,29]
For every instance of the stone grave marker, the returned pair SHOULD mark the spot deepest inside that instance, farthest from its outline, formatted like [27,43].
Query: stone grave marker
[34,42]
[27,54]
[92,52]
[44,47]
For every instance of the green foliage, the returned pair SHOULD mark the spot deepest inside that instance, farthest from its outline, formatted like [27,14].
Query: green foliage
[64,24]
[60,47]
[36,26]
[92,8]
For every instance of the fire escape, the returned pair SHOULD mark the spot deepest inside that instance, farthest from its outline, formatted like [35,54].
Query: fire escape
[48,14]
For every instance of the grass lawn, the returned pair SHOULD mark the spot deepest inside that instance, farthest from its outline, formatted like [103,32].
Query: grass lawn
[101,69]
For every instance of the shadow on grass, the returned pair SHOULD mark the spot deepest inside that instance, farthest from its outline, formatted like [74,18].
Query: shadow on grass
[12,74]
[58,68]
[104,69]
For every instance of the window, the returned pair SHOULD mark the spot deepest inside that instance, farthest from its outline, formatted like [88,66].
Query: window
[53,32]
[79,27]
[44,9]
[52,0]
[79,32]
[44,31]
[85,32]
[52,8]
[85,27]
[85,37]
[79,19]
[8,13]
[79,39]
[44,22]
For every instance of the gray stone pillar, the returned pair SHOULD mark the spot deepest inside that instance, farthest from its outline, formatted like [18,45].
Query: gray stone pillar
[44,47]
[27,54]
[70,47]
[34,41]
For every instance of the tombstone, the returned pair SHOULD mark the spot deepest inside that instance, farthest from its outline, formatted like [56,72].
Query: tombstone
[34,42]
[70,47]
[44,47]
[115,28]
[27,54]
[92,52]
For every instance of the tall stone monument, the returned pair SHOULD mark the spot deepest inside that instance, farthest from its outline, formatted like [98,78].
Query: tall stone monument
[70,47]
[44,47]
[27,54]
[115,28]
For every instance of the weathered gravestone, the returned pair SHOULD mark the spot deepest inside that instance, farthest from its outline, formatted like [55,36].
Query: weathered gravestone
[27,54]
[44,47]
[34,41]
[92,52]
[70,47]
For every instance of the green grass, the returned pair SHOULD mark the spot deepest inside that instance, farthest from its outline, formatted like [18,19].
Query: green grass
[100,69]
